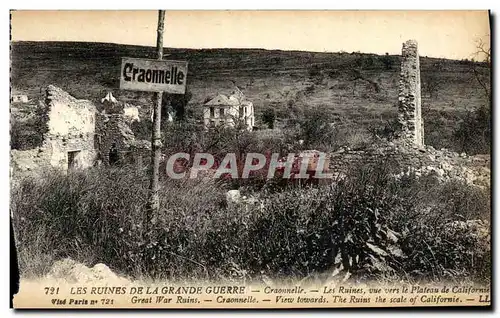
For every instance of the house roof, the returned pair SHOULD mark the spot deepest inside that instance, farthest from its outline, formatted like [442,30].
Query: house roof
[109,98]
[222,100]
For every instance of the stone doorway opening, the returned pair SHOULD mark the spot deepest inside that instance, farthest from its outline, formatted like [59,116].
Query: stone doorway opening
[113,154]
[72,159]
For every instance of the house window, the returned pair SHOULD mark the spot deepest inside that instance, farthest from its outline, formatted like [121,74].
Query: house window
[72,159]
[212,112]
[222,112]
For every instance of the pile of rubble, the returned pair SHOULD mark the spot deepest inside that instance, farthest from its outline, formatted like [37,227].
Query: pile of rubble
[70,271]
[475,232]
[420,161]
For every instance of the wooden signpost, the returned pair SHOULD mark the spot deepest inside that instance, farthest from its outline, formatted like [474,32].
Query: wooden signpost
[156,76]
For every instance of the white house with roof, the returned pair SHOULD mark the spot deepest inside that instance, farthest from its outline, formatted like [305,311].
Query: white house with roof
[224,110]
[16,96]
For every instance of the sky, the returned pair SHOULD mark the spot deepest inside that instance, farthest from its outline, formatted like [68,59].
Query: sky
[444,34]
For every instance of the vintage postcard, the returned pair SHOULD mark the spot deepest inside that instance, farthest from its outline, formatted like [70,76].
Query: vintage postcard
[250,159]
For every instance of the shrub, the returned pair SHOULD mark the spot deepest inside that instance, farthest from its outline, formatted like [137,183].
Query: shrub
[473,134]
[431,84]
[98,215]
[268,117]
[454,250]
[24,135]
[388,130]
[315,128]
[434,249]
[388,61]
[142,129]
[27,133]
[367,223]
[314,71]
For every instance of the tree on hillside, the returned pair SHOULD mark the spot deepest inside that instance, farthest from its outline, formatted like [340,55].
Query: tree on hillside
[355,74]
[268,117]
[474,132]
[176,103]
[388,61]
[315,128]
[483,50]
[431,84]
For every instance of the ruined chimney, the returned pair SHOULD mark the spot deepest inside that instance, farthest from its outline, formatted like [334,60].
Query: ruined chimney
[409,103]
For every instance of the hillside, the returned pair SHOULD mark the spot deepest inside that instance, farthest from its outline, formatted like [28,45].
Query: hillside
[359,90]
[392,211]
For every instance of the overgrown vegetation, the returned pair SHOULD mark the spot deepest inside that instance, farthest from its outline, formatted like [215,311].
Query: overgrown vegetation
[368,224]
[176,104]
[28,127]
[473,134]
[269,117]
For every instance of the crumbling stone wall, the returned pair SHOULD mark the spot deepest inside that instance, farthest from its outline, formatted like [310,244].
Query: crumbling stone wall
[443,164]
[114,135]
[76,135]
[115,140]
[409,103]
[70,129]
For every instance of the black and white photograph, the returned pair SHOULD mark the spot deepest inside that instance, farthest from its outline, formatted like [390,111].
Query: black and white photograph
[250,158]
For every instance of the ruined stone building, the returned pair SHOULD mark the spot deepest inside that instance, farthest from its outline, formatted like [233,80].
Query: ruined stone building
[69,139]
[114,137]
[224,110]
[116,141]
[77,136]
[113,106]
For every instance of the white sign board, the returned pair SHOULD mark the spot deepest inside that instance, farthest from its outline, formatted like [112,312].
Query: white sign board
[153,75]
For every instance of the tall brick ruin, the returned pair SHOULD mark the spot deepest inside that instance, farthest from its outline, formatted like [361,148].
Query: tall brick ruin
[409,103]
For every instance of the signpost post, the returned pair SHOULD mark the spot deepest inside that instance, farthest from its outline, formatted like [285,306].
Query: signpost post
[154,201]
[156,76]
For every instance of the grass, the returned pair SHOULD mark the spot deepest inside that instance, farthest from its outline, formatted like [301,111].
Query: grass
[98,216]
